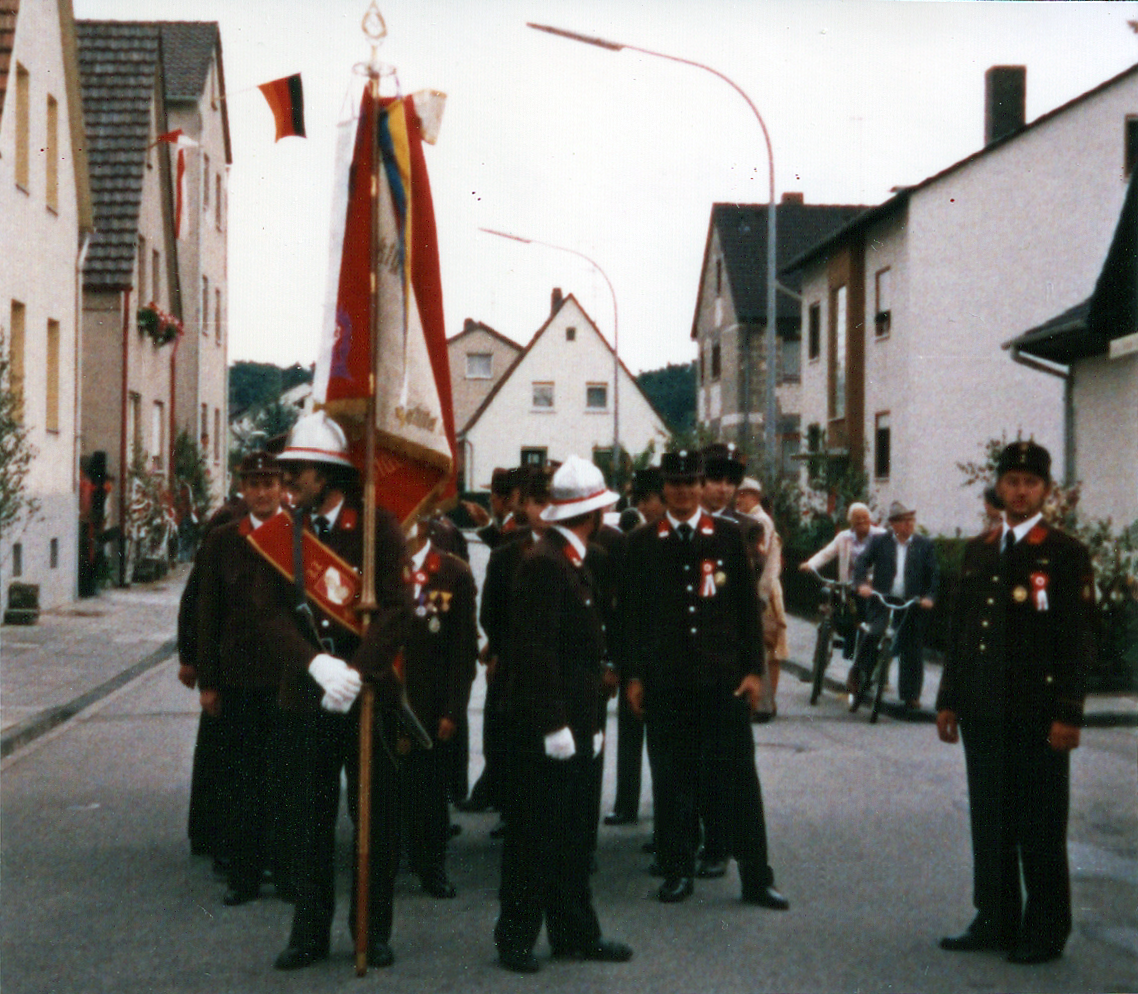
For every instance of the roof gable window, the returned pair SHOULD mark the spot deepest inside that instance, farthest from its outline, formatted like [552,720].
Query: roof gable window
[479,365]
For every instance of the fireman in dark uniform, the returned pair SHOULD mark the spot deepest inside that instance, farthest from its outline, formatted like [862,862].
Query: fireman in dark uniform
[1013,687]
[439,661]
[696,655]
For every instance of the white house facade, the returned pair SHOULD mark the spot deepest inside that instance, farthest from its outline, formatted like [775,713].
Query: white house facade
[479,357]
[45,218]
[905,309]
[558,399]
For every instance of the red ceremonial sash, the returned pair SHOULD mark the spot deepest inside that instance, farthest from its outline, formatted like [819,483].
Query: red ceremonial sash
[331,583]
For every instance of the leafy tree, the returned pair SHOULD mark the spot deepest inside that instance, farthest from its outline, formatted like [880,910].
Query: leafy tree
[191,471]
[672,392]
[255,384]
[16,452]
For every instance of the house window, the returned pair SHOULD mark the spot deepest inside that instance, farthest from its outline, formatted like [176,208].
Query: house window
[715,361]
[838,353]
[217,315]
[602,459]
[479,365]
[158,434]
[51,155]
[543,396]
[53,554]
[16,359]
[570,334]
[51,415]
[814,331]
[205,305]
[1131,143]
[217,202]
[134,423]
[156,274]
[533,457]
[23,108]
[141,269]
[205,426]
[217,434]
[205,183]
[17,559]
[790,359]
[718,277]
[597,396]
[883,314]
[881,456]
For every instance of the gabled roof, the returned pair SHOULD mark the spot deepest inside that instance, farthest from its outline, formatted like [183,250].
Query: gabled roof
[1110,312]
[8,11]
[520,358]
[742,230]
[901,199]
[187,49]
[471,326]
[118,63]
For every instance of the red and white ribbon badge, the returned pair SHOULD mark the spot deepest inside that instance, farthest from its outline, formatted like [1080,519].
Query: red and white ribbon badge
[707,581]
[1039,590]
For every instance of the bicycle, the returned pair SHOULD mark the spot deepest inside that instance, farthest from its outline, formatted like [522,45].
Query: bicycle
[883,659]
[835,597]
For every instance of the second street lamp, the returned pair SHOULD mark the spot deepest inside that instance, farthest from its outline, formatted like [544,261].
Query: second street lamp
[771,408]
[615,340]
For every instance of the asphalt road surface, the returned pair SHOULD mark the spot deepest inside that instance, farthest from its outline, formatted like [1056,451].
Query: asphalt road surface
[868,833]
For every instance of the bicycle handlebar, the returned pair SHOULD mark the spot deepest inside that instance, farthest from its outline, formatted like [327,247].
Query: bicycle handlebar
[826,582]
[894,607]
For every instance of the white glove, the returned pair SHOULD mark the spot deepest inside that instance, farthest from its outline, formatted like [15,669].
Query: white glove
[340,682]
[598,744]
[559,744]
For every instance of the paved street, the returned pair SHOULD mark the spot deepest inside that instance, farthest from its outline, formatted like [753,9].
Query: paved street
[868,831]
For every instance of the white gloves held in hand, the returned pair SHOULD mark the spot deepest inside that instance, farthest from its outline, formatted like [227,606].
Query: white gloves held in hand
[559,744]
[598,744]
[341,683]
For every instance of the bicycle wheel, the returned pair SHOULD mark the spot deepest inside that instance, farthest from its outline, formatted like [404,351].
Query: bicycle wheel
[884,658]
[857,699]
[822,649]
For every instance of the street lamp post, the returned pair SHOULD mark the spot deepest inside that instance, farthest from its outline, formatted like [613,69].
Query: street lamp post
[770,412]
[615,340]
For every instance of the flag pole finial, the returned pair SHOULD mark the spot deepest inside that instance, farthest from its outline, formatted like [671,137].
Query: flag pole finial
[374,26]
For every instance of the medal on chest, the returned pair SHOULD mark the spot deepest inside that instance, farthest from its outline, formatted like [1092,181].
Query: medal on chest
[707,579]
[1039,590]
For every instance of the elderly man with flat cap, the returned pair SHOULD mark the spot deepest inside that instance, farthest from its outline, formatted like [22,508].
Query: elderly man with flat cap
[1014,679]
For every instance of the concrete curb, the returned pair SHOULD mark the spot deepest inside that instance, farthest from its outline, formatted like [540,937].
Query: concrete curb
[32,728]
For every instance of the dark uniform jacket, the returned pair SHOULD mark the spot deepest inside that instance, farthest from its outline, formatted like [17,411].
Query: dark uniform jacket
[691,608]
[373,655]
[1022,636]
[442,639]
[880,555]
[494,534]
[554,679]
[497,590]
[233,580]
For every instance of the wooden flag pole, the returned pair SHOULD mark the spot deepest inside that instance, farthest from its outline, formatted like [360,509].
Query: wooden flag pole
[367,592]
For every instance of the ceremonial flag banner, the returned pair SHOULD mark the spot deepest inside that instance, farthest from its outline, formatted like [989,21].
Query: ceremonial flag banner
[286,100]
[414,413]
[180,140]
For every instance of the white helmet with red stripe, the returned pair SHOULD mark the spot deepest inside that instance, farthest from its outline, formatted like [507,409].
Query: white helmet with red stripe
[316,438]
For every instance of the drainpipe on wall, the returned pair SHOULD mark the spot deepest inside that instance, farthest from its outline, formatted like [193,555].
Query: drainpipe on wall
[1067,375]
[77,445]
[122,436]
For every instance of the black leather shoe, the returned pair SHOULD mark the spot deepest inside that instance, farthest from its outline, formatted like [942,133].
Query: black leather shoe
[379,954]
[295,957]
[239,895]
[1029,953]
[972,941]
[619,818]
[711,869]
[455,829]
[518,962]
[602,951]
[765,897]
[655,869]
[437,885]
[675,889]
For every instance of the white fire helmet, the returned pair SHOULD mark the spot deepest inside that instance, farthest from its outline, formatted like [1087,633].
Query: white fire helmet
[316,438]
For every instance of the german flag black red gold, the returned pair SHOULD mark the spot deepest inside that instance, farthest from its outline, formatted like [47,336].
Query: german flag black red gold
[286,100]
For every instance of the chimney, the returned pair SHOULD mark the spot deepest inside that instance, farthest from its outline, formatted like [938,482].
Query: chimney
[555,300]
[1005,98]
[468,324]
[793,198]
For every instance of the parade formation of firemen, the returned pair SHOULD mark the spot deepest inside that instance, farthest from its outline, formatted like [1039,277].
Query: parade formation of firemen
[677,612]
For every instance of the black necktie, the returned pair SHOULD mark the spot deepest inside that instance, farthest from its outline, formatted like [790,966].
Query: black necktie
[320,526]
[685,531]
[1009,541]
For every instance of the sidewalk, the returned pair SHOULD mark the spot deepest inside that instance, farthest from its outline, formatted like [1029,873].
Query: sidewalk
[1102,710]
[79,653]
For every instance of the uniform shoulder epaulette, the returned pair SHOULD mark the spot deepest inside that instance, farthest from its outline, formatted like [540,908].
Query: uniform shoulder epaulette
[1037,534]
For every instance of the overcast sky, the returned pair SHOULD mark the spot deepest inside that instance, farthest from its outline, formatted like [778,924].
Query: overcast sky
[615,155]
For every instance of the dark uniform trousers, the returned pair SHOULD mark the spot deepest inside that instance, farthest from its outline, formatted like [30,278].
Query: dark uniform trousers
[629,756]
[548,850]
[1019,650]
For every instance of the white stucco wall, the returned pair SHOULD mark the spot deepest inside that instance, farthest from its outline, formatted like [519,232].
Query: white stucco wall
[1106,437]
[38,255]
[511,423]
